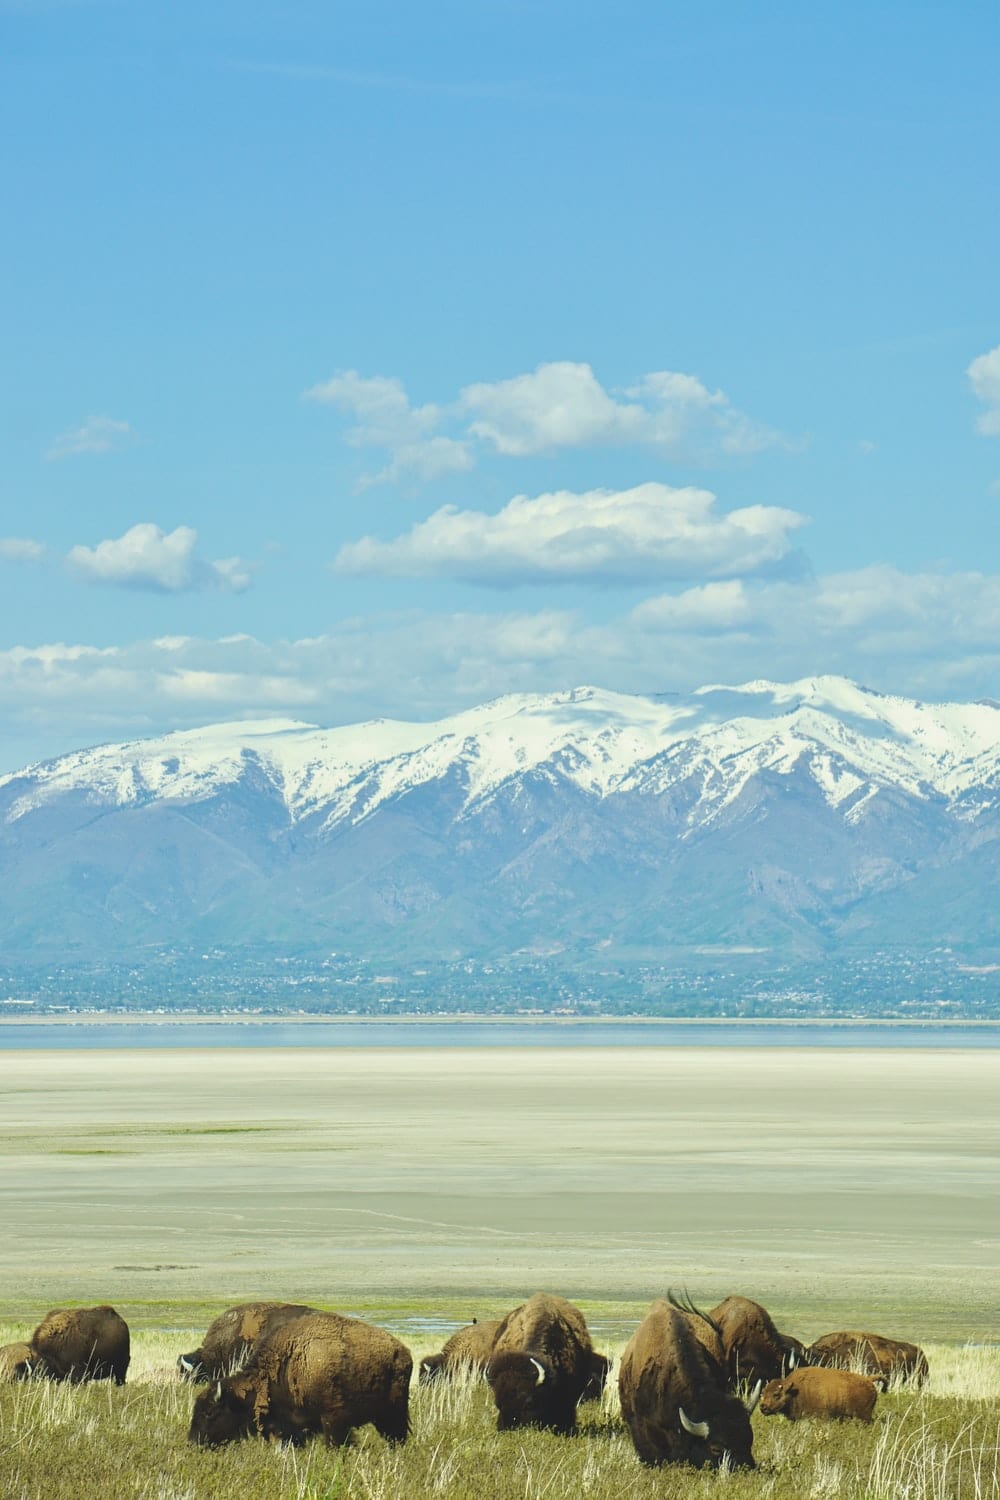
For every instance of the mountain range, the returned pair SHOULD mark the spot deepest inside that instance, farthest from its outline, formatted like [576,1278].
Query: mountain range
[794,817]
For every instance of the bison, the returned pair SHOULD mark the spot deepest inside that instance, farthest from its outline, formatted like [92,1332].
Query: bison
[230,1338]
[468,1348]
[82,1343]
[755,1350]
[318,1373]
[600,1369]
[17,1362]
[869,1354]
[540,1365]
[675,1397]
[809,1392]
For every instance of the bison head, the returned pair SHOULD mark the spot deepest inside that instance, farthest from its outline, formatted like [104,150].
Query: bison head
[777,1396]
[223,1413]
[189,1365]
[523,1388]
[600,1368]
[723,1434]
[430,1368]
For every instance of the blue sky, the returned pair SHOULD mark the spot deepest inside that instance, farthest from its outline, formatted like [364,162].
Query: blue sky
[379,359]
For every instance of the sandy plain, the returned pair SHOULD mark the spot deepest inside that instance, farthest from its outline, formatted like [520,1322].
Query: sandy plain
[841,1187]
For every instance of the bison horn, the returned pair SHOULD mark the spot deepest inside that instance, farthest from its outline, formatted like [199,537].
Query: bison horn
[540,1369]
[218,1390]
[754,1398]
[185,1363]
[793,1360]
[696,1429]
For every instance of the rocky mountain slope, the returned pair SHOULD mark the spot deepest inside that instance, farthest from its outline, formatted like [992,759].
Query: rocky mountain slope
[787,815]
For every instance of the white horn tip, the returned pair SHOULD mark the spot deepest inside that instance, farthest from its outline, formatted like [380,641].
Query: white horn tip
[541,1372]
[696,1429]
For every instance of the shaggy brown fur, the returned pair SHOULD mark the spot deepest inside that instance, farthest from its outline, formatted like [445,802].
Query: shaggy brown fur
[16,1361]
[666,1370]
[540,1364]
[319,1373]
[820,1393]
[82,1343]
[755,1350]
[231,1337]
[871,1354]
[468,1348]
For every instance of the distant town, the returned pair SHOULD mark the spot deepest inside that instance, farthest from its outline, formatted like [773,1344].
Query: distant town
[734,984]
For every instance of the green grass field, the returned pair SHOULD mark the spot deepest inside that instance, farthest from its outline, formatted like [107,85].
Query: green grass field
[85,1442]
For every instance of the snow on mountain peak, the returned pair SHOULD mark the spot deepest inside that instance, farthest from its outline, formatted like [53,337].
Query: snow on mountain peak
[853,741]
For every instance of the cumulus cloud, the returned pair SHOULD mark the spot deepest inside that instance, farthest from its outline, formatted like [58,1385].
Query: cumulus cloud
[20,549]
[984,376]
[97,435]
[653,531]
[384,418]
[558,405]
[146,557]
[564,405]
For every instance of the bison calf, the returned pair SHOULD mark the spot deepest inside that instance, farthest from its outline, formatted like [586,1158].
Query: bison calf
[320,1373]
[817,1392]
[82,1343]
[17,1362]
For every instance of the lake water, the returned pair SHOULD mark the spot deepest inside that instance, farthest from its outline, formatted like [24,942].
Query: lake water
[82,1034]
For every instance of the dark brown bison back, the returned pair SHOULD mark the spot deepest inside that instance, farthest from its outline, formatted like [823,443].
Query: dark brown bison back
[82,1343]
[231,1337]
[468,1348]
[318,1373]
[869,1354]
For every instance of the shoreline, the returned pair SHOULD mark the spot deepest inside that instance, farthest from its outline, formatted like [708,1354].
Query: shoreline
[470,1018]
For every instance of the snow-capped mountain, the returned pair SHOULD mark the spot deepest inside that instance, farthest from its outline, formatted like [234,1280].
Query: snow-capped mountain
[792,812]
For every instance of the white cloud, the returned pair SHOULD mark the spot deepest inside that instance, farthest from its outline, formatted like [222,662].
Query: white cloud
[385,419]
[984,375]
[927,634]
[558,405]
[97,435]
[146,557]
[20,549]
[653,531]
[564,405]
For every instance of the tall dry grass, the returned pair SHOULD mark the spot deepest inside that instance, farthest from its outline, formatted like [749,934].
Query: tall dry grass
[99,1442]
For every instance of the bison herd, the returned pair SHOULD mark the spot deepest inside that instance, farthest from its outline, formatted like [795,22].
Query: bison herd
[689,1380]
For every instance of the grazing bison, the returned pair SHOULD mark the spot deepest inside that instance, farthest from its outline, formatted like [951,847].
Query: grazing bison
[230,1338]
[318,1373]
[540,1364]
[675,1397]
[812,1392]
[869,1354]
[600,1369]
[468,1349]
[17,1362]
[82,1343]
[755,1350]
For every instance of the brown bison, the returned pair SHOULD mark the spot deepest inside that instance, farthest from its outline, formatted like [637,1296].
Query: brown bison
[230,1338]
[809,1392]
[600,1369]
[82,1343]
[318,1373]
[468,1349]
[675,1396]
[17,1362]
[869,1354]
[755,1350]
[540,1364]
